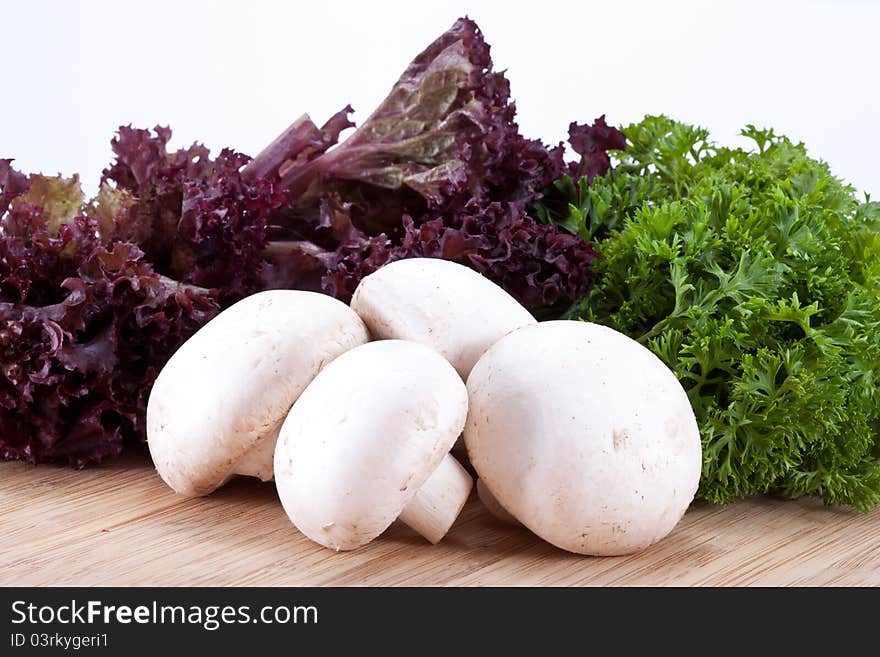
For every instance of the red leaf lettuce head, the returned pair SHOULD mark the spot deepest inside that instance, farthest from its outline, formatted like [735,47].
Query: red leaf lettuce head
[85,326]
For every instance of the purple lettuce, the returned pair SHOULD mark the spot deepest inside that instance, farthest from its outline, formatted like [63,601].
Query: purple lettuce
[96,295]
[440,169]
[85,326]
[592,143]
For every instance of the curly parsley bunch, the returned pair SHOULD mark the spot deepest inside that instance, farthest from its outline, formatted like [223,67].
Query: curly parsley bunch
[755,275]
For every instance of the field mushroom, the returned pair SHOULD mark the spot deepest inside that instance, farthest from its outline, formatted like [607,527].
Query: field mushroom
[217,405]
[584,436]
[368,441]
[441,304]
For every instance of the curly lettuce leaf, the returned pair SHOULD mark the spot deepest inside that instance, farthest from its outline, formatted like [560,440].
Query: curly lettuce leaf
[419,135]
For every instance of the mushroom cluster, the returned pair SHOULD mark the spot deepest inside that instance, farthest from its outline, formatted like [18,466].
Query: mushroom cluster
[575,431]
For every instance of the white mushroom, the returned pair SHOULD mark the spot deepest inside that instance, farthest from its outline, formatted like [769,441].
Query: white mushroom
[441,304]
[216,407]
[584,436]
[368,441]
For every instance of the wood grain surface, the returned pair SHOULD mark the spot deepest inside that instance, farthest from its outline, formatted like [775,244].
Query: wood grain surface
[119,525]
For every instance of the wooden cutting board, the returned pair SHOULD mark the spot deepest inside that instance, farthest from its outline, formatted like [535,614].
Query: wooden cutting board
[119,525]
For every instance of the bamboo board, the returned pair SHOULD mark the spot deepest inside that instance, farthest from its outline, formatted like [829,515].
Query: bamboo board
[119,525]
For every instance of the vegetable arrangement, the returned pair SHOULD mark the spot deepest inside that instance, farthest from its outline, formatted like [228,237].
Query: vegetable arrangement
[753,275]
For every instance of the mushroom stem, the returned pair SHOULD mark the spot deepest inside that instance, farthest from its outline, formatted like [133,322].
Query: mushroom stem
[493,506]
[258,461]
[438,502]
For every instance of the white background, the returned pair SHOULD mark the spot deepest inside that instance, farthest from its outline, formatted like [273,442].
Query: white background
[237,73]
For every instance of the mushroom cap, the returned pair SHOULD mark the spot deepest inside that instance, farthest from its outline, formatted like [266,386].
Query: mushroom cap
[230,385]
[585,436]
[363,438]
[441,304]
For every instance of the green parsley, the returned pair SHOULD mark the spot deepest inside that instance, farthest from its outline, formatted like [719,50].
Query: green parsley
[755,276]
